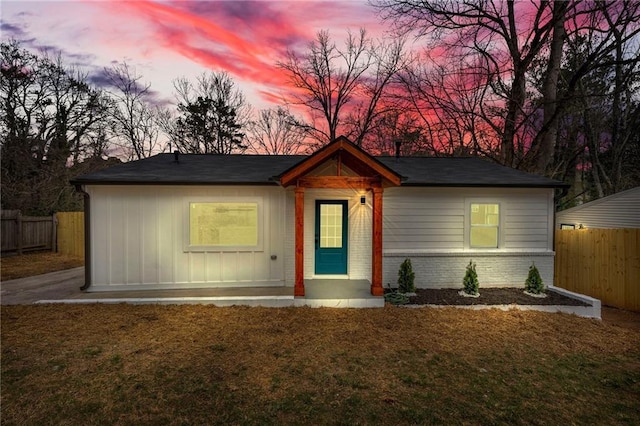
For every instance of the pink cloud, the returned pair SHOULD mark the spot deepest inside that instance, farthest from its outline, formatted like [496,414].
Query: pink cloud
[243,38]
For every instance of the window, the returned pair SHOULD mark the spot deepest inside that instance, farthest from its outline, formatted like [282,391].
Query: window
[484,225]
[330,225]
[223,225]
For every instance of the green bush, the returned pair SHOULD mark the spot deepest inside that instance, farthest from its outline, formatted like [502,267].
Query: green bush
[396,298]
[406,277]
[534,284]
[470,280]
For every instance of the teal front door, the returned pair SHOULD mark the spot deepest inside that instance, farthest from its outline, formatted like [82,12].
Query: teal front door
[331,237]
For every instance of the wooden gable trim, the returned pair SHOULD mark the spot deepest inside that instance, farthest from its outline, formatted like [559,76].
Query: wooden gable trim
[292,175]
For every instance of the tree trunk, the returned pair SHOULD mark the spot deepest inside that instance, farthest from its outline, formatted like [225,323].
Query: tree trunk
[514,108]
[541,152]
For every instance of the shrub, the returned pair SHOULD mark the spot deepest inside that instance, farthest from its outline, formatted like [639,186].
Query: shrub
[396,298]
[406,277]
[534,284]
[470,280]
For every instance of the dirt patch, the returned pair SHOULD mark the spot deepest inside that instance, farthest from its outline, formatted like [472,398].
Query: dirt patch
[621,318]
[490,296]
[32,264]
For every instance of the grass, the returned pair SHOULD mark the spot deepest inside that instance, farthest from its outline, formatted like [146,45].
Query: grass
[191,364]
[32,264]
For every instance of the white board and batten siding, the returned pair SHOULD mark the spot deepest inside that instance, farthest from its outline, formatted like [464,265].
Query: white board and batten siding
[621,210]
[431,227]
[139,235]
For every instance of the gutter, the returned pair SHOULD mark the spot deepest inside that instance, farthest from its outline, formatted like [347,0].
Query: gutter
[87,237]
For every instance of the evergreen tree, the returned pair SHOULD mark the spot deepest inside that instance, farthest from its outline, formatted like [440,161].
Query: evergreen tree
[534,284]
[470,281]
[406,277]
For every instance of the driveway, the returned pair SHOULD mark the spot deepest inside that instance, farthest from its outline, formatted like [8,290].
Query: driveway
[54,285]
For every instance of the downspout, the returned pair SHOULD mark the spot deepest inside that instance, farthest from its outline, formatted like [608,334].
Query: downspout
[87,237]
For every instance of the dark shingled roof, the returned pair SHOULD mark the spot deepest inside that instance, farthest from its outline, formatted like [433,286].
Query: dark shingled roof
[209,169]
[463,171]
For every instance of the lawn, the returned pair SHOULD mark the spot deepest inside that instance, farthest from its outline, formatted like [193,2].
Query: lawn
[191,364]
[27,265]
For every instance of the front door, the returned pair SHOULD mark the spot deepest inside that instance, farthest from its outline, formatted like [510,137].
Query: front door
[331,237]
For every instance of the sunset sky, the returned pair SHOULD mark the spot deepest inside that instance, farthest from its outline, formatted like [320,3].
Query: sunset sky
[164,40]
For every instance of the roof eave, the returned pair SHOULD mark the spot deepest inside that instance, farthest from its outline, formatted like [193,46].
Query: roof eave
[483,185]
[163,183]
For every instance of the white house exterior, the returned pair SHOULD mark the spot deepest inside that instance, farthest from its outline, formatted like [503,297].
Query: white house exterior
[431,226]
[621,210]
[194,221]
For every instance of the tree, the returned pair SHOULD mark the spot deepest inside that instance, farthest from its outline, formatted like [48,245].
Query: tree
[344,87]
[276,132]
[534,284]
[453,104]
[134,122]
[496,35]
[212,115]
[50,115]
[549,87]
[602,38]
[470,283]
[596,109]
[406,277]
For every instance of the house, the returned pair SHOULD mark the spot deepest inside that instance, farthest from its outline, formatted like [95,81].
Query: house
[621,210]
[176,221]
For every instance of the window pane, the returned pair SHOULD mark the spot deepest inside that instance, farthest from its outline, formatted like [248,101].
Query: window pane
[485,214]
[330,225]
[485,221]
[223,224]
[484,237]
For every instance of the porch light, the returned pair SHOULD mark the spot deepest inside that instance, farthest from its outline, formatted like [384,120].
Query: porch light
[363,200]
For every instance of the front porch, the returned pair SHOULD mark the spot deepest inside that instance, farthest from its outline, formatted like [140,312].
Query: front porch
[338,166]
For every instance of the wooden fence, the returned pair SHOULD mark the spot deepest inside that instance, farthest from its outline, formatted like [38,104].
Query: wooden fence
[71,233]
[601,263]
[26,233]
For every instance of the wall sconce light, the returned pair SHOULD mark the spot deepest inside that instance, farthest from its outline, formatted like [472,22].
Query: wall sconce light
[363,200]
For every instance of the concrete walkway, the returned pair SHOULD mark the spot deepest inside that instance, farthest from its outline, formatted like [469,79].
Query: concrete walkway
[64,287]
[54,285]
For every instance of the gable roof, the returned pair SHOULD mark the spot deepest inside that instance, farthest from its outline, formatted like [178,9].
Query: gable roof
[348,153]
[211,169]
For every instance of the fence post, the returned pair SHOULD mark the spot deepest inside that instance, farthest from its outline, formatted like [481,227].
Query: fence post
[54,233]
[19,232]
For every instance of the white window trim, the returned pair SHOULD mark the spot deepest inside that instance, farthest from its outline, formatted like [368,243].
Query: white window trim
[187,247]
[467,223]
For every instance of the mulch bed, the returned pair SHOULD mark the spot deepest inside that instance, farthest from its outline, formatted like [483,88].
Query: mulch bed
[489,296]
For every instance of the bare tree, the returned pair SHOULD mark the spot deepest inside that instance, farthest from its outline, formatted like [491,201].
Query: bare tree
[277,132]
[496,33]
[343,86]
[509,40]
[454,103]
[604,79]
[134,120]
[49,117]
